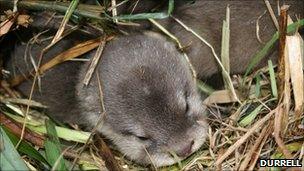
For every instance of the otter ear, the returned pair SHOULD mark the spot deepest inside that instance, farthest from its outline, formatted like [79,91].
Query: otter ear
[196,108]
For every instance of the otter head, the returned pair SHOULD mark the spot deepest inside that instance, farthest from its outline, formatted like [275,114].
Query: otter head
[153,108]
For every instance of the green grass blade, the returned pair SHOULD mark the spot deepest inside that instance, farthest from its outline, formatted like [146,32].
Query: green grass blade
[247,120]
[261,54]
[225,48]
[274,88]
[52,147]
[144,16]
[9,157]
[204,88]
[250,117]
[258,86]
[64,133]
[170,6]
[268,46]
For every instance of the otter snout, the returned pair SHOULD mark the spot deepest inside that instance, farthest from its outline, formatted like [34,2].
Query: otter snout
[186,150]
[168,150]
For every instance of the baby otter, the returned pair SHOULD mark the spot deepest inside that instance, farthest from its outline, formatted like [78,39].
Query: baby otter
[151,101]
[150,97]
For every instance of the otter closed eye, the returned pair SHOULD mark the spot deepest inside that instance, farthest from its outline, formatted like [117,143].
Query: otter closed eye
[185,102]
[187,107]
[140,137]
[143,138]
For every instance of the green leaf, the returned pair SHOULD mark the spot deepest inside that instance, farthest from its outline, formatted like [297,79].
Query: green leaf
[84,165]
[10,159]
[25,148]
[52,147]
[292,147]
[250,117]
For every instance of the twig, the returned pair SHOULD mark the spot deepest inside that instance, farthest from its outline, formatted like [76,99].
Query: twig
[94,61]
[258,28]
[65,20]
[277,131]
[16,129]
[254,152]
[282,44]
[107,155]
[114,10]
[30,98]
[254,128]
[274,20]
[15,9]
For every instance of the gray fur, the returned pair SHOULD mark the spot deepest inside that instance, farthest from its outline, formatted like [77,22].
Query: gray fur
[147,84]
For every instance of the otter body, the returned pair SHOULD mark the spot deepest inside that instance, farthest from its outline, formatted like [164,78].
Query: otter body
[206,19]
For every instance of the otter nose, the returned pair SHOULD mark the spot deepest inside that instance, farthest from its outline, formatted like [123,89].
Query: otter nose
[186,150]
